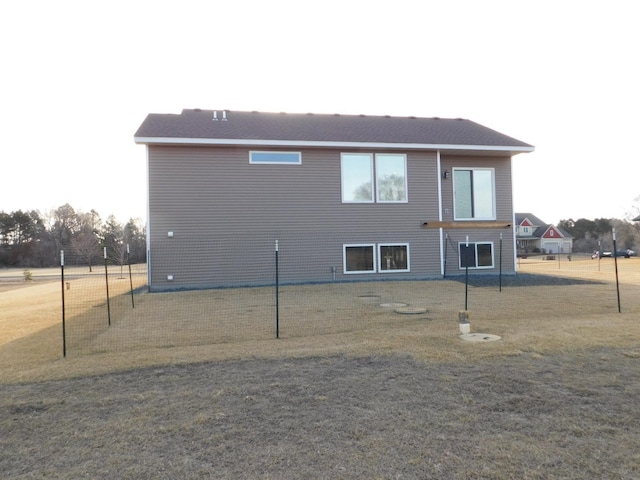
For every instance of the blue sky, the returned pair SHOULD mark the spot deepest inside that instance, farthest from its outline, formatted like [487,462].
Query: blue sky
[79,77]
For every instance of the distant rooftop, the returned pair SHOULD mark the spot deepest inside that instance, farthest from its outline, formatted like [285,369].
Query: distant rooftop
[226,127]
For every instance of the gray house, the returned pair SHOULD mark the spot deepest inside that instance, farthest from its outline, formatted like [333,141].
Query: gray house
[341,197]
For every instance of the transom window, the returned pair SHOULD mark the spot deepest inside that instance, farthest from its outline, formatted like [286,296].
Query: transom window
[360,174]
[474,194]
[476,255]
[286,158]
[372,258]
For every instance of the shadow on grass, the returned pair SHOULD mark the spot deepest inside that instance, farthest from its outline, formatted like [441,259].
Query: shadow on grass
[521,280]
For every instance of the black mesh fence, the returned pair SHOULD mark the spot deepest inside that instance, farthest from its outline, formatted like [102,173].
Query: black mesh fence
[203,291]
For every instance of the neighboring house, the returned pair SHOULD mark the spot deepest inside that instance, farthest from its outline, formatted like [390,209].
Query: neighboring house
[535,236]
[346,197]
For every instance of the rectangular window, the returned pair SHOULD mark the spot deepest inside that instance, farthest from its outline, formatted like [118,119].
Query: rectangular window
[359,258]
[476,255]
[357,177]
[393,257]
[358,173]
[474,194]
[284,158]
[391,178]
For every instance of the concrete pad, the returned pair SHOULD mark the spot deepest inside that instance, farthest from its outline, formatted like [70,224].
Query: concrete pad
[479,337]
[409,310]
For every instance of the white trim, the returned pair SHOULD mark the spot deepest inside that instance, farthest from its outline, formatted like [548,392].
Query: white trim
[148,226]
[381,270]
[344,258]
[314,143]
[441,230]
[280,152]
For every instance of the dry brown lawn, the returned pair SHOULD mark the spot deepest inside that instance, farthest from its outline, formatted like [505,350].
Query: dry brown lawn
[195,385]
[313,319]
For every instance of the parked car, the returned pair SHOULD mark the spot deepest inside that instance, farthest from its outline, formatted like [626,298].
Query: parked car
[608,253]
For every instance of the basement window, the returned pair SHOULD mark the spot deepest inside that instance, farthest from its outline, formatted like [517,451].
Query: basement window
[281,158]
[393,258]
[359,258]
[476,255]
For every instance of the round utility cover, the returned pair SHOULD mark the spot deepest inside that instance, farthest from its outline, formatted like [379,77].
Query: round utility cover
[410,310]
[393,305]
[479,337]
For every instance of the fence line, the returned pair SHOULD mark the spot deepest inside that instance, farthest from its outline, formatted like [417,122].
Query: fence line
[114,310]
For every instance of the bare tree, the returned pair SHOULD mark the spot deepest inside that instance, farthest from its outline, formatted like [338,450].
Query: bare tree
[87,246]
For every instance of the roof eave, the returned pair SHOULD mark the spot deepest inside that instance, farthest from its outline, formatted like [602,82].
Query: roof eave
[506,149]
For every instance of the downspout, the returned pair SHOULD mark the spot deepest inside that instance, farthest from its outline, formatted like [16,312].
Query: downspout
[439,168]
[513,220]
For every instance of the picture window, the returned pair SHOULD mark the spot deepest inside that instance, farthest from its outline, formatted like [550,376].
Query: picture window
[369,178]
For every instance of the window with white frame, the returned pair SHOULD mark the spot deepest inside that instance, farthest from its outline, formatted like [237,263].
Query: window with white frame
[359,258]
[474,194]
[391,178]
[475,255]
[393,257]
[372,258]
[361,172]
[357,177]
[283,158]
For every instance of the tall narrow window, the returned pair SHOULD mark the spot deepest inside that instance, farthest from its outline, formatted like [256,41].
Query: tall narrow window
[391,178]
[474,194]
[357,177]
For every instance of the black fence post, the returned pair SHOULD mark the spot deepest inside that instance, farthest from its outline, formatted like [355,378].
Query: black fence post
[446,247]
[130,278]
[64,328]
[615,261]
[466,274]
[106,277]
[500,273]
[277,294]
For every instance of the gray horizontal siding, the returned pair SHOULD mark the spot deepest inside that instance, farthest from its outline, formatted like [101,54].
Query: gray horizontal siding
[226,214]
[504,211]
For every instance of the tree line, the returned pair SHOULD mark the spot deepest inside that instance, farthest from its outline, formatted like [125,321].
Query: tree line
[31,239]
[590,235]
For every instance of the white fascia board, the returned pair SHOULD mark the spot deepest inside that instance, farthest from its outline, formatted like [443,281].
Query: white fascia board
[306,143]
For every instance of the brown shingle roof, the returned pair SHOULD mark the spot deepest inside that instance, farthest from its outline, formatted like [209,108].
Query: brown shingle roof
[199,126]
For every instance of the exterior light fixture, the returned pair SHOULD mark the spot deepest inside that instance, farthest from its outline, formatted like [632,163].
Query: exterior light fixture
[446,174]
